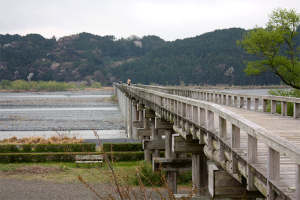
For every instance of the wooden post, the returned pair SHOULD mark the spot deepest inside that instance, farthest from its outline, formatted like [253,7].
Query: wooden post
[297,182]
[296,110]
[273,106]
[129,121]
[154,136]
[229,100]
[235,143]
[147,152]
[235,101]
[251,158]
[284,108]
[273,170]
[210,127]
[248,103]
[256,102]
[224,99]
[199,173]
[126,114]
[171,176]
[222,128]
[264,105]
[136,118]
[241,102]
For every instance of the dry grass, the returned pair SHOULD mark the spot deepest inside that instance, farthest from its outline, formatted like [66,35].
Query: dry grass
[42,140]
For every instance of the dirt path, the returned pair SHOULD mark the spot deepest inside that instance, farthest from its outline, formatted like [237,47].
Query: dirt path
[19,189]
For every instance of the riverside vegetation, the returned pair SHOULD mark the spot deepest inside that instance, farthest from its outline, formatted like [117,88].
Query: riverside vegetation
[131,179]
[21,85]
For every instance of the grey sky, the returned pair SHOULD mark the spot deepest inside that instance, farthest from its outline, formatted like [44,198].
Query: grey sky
[168,19]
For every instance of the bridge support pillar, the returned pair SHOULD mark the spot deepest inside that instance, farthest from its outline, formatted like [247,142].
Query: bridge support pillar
[169,154]
[147,114]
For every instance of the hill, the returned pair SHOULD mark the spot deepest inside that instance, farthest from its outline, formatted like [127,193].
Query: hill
[208,59]
[212,58]
[77,57]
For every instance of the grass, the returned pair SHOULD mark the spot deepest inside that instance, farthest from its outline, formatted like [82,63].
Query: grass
[64,171]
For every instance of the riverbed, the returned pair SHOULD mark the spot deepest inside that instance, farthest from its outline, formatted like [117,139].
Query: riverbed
[61,113]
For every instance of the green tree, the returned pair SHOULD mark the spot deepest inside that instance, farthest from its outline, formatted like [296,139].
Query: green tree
[274,46]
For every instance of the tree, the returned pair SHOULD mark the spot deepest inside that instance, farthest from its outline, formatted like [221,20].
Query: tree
[274,46]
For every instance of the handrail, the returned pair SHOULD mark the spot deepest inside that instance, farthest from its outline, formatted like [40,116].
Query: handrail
[232,99]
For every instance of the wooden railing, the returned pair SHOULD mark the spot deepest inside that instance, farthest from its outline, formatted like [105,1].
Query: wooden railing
[233,99]
[189,115]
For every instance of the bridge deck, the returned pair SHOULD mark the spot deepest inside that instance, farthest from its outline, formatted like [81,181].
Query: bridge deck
[284,127]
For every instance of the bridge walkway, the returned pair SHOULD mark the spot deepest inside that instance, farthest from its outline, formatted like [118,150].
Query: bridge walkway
[285,127]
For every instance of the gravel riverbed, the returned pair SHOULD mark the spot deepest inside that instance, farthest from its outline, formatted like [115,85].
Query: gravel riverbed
[61,112]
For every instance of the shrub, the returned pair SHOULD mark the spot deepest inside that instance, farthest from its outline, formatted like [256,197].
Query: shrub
[285,93]
[148,177]
[122,147]
[13,148]
[65,157]
[5,84]
[20,85]
[96,85]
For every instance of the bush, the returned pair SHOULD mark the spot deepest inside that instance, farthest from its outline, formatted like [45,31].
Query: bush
[148,177]
[5,84]
[122,147]
[96,85]
[125,156]
[13,148]
[65,157]
[20,85]
[285,93]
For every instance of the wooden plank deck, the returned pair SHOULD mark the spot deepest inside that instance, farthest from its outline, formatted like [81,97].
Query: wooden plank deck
[282,126]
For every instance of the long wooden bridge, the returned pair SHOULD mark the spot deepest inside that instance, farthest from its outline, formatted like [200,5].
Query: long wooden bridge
[238,149]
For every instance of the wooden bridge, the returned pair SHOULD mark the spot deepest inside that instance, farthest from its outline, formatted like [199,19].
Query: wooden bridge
[238,149]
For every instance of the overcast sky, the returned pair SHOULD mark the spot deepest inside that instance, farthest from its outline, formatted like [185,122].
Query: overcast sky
[168,19]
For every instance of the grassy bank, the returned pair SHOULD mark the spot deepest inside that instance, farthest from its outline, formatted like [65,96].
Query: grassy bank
[64,171]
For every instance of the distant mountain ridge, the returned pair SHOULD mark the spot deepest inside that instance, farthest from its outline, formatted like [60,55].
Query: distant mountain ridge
[211,58]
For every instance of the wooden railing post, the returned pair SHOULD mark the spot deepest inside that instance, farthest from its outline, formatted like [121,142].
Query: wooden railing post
[284,108]
[235,143]
[251,158]
[297,182]
[296,110]
[265,105]
[273,170]
[241,102]
[235,101]
[273,106]
[223,135]
[224,99]
[229,100]
[256,102]
[210,127]
[248,103]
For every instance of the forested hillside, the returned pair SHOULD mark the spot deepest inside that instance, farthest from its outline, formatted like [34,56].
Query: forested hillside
[77,57]
[212,58]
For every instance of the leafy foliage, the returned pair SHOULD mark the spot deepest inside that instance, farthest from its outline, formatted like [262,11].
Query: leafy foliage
[275,47]
[285,93]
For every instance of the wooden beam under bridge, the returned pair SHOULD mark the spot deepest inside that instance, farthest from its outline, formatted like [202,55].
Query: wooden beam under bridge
[172,165]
